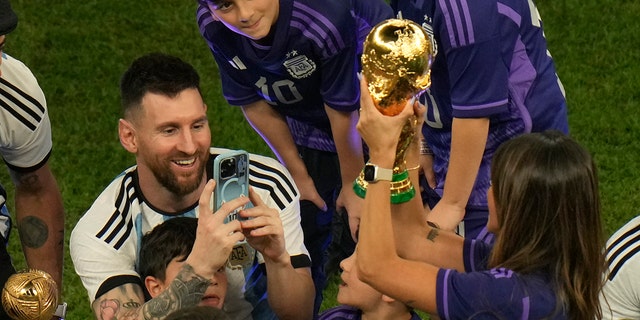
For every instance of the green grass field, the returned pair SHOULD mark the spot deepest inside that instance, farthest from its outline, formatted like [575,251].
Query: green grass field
[78,50]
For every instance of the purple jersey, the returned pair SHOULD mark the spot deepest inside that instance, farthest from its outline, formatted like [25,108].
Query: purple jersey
[494,294]
[492,62]
[312,61]
[350,313]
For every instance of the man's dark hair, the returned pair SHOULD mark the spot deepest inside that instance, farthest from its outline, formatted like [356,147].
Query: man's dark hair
[168,240]
[8,18]
[155,73]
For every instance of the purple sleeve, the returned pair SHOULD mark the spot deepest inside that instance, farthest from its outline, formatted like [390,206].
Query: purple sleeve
[234,91]
[478,75]
[495,294]
[475,254]
[340,85]
[463,295]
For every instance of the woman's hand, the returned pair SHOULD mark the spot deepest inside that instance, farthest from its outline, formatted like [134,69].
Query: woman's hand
[380,132]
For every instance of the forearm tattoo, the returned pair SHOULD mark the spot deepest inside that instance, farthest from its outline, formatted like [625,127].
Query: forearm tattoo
[34,232]
[186,290]
[433,234]
[125,302]
[121,309]
[28,180]
[109,309]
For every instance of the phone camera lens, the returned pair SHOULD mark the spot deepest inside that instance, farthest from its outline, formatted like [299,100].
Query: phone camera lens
[228,168]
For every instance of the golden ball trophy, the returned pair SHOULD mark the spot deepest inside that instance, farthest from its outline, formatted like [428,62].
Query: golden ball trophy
[396,63]
[30,295]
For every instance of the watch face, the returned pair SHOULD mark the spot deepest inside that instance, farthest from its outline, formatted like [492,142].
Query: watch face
[369,173]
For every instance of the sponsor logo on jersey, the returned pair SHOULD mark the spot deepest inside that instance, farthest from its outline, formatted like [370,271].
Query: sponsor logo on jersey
[300,67]
[237,63]
[427,25]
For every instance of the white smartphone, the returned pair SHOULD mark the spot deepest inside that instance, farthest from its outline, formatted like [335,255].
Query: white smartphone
[231,172]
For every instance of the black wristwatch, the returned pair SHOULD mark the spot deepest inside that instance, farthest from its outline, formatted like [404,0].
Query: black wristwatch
[373,173]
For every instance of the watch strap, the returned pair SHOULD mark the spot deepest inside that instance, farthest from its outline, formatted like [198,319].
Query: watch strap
[61,311]
[373,173]
[384,174]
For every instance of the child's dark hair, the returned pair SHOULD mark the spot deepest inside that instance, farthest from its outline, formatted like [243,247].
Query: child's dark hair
[171,239]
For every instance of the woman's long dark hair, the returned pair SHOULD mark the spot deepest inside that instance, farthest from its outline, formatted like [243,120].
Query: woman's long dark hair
[545,189]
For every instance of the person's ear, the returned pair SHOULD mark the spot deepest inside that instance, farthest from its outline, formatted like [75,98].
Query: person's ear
[153,285]
[127,135]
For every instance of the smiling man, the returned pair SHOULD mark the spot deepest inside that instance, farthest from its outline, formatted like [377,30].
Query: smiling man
[165,126]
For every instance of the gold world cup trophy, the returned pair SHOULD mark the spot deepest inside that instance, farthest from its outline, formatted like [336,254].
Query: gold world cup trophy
[396,63]
[30,295]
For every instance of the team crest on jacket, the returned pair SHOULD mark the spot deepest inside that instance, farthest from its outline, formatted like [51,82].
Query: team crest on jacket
[300,66]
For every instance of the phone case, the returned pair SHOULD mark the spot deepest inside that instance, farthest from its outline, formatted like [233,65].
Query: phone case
[231,172]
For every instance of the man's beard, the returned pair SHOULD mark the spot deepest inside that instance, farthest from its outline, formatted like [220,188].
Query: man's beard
[170,181]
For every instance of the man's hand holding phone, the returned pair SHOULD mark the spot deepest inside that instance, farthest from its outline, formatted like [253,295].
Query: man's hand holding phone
[259,223]
[263,229]
[214,238]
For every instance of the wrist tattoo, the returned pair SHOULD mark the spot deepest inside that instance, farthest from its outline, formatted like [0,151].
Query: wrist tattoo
[433,233]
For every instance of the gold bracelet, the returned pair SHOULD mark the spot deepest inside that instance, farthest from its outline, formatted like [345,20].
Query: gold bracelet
[414,168]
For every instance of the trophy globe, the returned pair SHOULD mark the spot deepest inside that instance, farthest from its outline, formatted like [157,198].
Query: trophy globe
[396,62]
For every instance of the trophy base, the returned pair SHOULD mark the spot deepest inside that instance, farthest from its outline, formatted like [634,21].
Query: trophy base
[401,188]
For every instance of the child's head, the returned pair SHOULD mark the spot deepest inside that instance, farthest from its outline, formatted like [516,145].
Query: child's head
[252,19]
[162,253]
[545,208]
[353,292]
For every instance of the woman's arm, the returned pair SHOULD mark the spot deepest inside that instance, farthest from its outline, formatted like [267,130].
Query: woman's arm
[378,261]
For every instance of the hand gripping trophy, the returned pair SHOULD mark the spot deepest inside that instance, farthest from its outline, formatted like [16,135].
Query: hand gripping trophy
[396,63]
[31,295]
